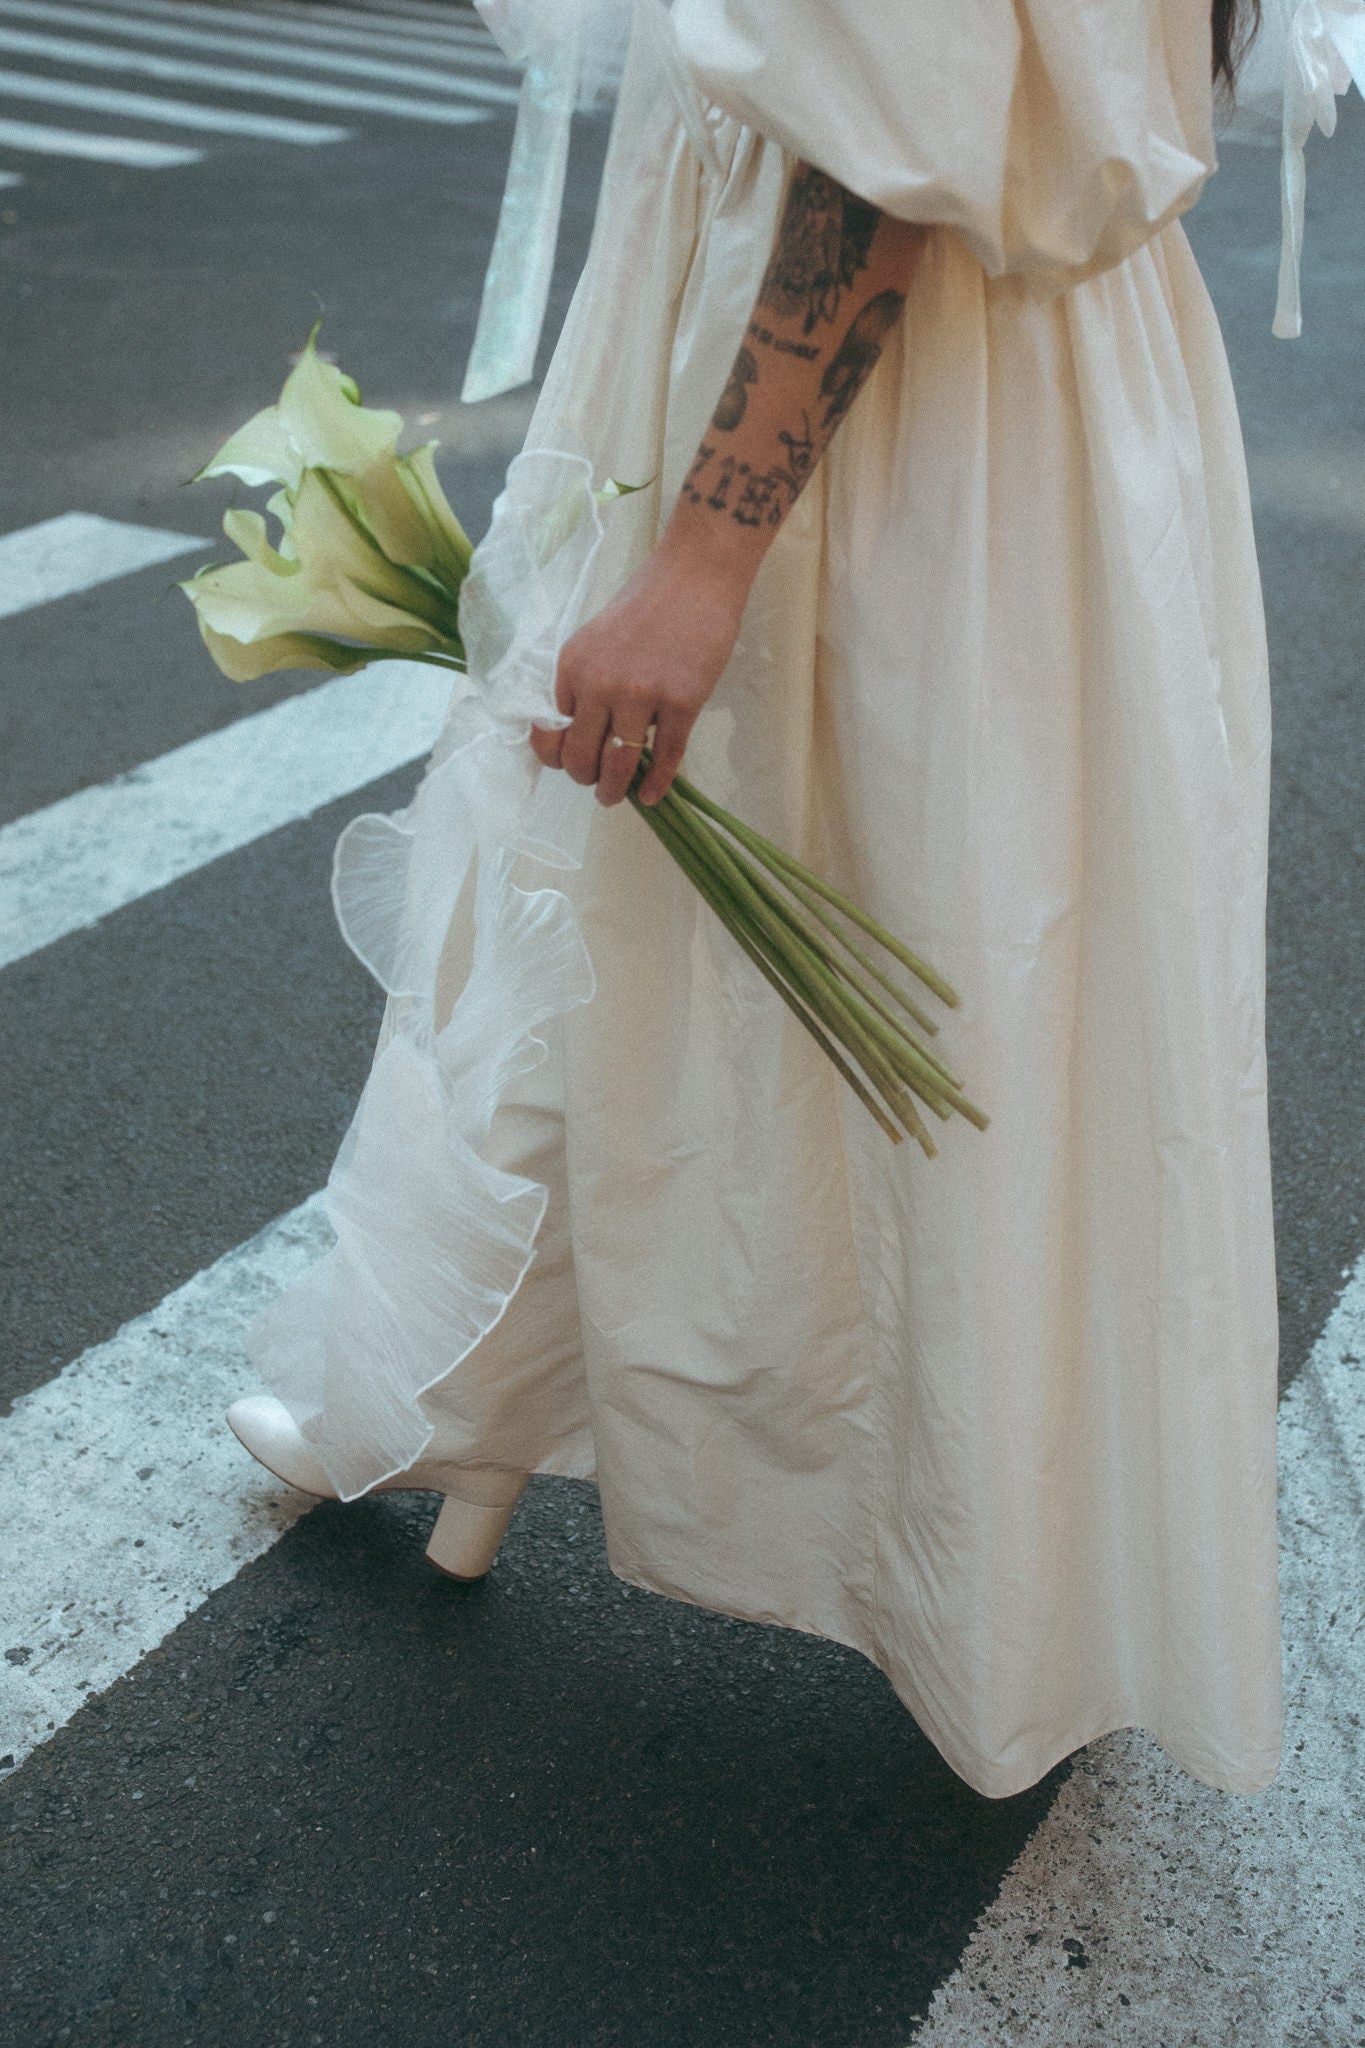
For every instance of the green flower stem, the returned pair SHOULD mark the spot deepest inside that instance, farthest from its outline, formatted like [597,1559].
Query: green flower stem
[912,1065]
[703,880]
[924,1059]
[365,652]
[794,874]
[457,664]
[813,979]
[912,1062]
[891,1060]
[788,871]
[758,844]
[906,1057]
[823,992]
[710,885]
[887,1052]
[813,904]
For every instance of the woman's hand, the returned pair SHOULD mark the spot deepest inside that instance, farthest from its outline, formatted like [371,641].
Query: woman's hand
[833,292]
[651,657]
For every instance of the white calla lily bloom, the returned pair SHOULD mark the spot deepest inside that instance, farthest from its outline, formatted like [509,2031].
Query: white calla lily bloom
[370,558]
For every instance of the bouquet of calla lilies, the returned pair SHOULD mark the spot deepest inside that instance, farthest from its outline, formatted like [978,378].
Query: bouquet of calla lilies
[369,567]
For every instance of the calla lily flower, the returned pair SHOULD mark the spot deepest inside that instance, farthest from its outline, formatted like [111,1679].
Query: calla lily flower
[371,562]
[318,421]
[369,553]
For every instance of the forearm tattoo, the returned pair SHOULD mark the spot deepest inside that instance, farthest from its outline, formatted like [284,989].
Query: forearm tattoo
[858,353]
[735,396]
[753,497]
[823,243]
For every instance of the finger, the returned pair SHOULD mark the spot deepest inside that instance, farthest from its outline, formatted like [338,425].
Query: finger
[582,751]
[618,769]
[566,696]
[670,741]
[547,743]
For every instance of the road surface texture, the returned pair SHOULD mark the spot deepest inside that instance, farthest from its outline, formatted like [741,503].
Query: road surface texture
[266,1777]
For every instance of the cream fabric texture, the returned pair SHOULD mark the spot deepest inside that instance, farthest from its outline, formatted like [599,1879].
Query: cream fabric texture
[1003,1422]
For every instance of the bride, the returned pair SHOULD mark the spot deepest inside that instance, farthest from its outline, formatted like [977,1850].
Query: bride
[945,579]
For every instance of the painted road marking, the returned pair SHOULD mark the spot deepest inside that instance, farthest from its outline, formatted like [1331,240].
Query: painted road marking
[8,178]
[449,23]
[332,25]
[100,149]
[125,1498]
[77,861]
[1141,1880]
[227,78]
[79,550]
[146,106]
[274,51]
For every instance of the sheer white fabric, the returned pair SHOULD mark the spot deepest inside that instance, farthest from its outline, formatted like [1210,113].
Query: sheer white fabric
[571,52]
[592,33]
[1304,54]
[1004,1422]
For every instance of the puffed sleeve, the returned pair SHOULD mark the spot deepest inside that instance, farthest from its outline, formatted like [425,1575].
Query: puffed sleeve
[1055,136]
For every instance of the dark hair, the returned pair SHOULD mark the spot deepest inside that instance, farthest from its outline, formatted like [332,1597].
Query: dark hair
[1235,22]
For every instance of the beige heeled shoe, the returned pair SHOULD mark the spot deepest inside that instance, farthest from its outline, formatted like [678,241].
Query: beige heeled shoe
[475,1512]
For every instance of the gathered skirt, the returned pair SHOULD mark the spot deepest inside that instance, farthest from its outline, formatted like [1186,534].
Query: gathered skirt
[1003,1420]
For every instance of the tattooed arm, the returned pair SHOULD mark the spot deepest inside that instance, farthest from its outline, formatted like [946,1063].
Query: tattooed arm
[834,289]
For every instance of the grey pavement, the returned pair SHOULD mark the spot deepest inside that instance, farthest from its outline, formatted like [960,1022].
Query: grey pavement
[346,1801]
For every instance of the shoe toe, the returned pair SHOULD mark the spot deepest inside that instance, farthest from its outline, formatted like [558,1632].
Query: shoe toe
[263,1425]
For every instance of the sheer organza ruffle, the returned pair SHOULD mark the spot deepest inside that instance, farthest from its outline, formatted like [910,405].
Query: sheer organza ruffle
[432,1240]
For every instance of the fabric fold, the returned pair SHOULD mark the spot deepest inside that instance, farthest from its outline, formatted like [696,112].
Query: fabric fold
[1053,140]
[1004,1421]
[432,1241]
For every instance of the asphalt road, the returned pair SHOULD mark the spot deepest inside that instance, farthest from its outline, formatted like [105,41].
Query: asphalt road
[345,1801]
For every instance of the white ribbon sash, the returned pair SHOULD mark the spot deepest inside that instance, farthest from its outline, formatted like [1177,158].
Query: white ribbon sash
[1304,54]
[1326,51]
[572,51]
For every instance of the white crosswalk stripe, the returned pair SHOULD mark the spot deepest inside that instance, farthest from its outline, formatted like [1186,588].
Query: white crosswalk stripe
[135,106]
[133,150]
[257,84]
[235,43]
[304,20]
[79,860]
[270,35]
[125,1499]
[453,19]
[343,60]
[79,551]
[1136,1867]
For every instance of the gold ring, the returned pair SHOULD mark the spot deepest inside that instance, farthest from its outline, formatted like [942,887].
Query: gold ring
[617,741]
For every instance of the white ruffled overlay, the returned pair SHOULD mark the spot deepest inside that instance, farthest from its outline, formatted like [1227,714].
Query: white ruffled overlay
[432,1242]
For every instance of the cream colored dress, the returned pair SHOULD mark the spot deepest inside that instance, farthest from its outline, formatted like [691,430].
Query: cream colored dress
[1003,1421]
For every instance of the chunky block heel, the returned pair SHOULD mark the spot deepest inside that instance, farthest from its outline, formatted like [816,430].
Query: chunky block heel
[466,1535]
[473,1519]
